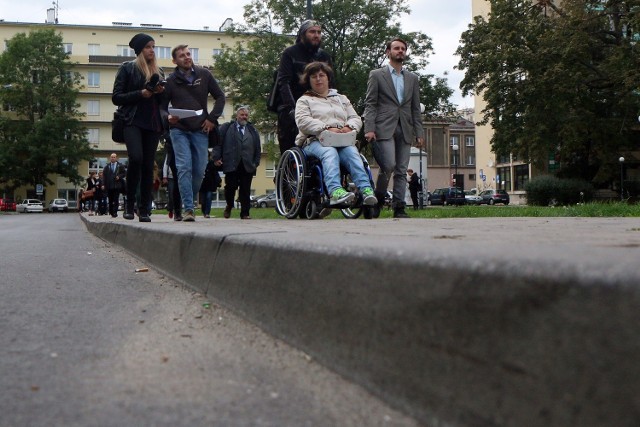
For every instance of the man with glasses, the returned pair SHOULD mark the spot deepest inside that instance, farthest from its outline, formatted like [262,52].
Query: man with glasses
[292,62]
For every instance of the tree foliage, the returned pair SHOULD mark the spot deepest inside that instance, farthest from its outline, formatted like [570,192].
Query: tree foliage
[41,133]
[558,81]
[354,34]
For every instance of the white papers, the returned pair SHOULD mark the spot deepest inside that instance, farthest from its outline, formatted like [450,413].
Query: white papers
[183,114]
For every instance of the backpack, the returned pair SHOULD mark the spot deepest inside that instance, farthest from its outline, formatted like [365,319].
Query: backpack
[273,100]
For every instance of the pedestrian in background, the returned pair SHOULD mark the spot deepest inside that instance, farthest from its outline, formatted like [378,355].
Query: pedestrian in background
[238,154]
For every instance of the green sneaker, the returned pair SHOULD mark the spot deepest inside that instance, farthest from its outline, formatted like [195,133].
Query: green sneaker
[341,196]
[369,198]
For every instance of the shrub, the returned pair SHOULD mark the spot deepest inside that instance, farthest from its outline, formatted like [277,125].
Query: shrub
[549,190]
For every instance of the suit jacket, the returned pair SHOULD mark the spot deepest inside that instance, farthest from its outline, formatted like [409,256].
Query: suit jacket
[235,148]
[109,177]
[383,110]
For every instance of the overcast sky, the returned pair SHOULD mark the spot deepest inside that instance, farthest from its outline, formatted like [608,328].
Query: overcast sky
[443,21]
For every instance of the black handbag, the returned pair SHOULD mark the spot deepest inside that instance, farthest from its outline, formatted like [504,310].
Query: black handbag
[117,128]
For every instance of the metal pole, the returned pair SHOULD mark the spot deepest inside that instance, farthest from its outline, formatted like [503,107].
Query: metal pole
[621,160]
[309,10]
[421,198]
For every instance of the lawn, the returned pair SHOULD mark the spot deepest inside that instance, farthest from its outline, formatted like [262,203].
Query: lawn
[615,209]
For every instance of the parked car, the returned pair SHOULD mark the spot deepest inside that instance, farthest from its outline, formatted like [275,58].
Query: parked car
[7,205]
[472,198]
[266,201]
[491,197]
[253,200]
[58,205]
[447,196]
[30,205]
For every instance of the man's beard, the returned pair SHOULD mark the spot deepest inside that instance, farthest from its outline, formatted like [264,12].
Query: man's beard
[242,122]
[309,44]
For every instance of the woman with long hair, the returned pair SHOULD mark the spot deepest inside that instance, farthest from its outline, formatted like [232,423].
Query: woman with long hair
[136,91]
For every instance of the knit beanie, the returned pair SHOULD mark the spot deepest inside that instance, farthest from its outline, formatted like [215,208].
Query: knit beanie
[305,26]
[139,41]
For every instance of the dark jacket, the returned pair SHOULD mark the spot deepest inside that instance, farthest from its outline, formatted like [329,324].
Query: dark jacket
[127,90]
[110,182]
[211,180]
[231,150]
[292,63]
[414,182]
[192,96]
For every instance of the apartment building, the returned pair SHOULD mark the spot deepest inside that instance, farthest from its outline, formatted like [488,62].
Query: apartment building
[98,52]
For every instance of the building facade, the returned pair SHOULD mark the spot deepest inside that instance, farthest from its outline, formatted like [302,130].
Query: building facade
[98,51]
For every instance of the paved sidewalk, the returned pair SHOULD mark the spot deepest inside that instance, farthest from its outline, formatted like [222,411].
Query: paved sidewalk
[461,322]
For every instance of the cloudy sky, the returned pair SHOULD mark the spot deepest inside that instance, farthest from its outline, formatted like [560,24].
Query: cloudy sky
[443,21]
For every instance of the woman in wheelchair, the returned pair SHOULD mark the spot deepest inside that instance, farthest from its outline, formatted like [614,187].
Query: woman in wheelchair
[328,125]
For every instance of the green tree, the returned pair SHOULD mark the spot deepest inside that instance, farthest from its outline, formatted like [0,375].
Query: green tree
[41,133]
[558,82]
[354,33]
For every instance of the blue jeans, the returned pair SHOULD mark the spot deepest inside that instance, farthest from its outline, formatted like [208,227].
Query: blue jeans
[190,150]
[334,157]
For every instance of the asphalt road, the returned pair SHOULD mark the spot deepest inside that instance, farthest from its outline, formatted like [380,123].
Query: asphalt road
[87,341]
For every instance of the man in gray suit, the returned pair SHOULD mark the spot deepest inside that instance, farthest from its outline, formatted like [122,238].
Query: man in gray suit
[392,122]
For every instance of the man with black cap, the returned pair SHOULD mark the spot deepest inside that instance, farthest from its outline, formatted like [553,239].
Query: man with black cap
[292,62]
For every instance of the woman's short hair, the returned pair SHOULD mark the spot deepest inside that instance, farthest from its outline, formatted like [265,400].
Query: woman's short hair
[314,68]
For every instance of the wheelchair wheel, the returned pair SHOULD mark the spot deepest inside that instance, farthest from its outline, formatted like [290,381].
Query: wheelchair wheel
[311,210]
[353,212]
[290,182]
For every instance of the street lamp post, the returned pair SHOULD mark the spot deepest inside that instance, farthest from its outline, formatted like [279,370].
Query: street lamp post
[455,148]
[621,160]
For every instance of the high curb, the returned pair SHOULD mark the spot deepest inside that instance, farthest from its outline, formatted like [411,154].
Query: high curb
[453,344]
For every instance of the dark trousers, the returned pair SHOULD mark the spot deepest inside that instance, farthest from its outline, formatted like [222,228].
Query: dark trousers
[141,149]
[414,198]
[287,131]
[241,179]
[113,196]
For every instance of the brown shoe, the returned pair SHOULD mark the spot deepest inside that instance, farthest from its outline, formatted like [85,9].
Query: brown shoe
[188,216]
[227,211]
[245,217]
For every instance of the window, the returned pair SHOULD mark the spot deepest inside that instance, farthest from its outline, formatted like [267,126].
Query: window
[472,177]
[163,52]
[94,49]
[470,141]
[124,50]
[93,108]
[93,79]
[93,135]
[471,160]
[195,54]
[454,140]
[217,52]
[504,175]
[67,48]
[270,168]
[521,173]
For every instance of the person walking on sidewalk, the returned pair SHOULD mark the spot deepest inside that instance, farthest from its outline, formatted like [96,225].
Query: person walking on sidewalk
[292,62]
[392,122]
[188,88]
[136,91]
[114,175]
[239,156]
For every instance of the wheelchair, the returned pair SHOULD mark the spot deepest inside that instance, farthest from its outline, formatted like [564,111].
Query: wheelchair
[301,192]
